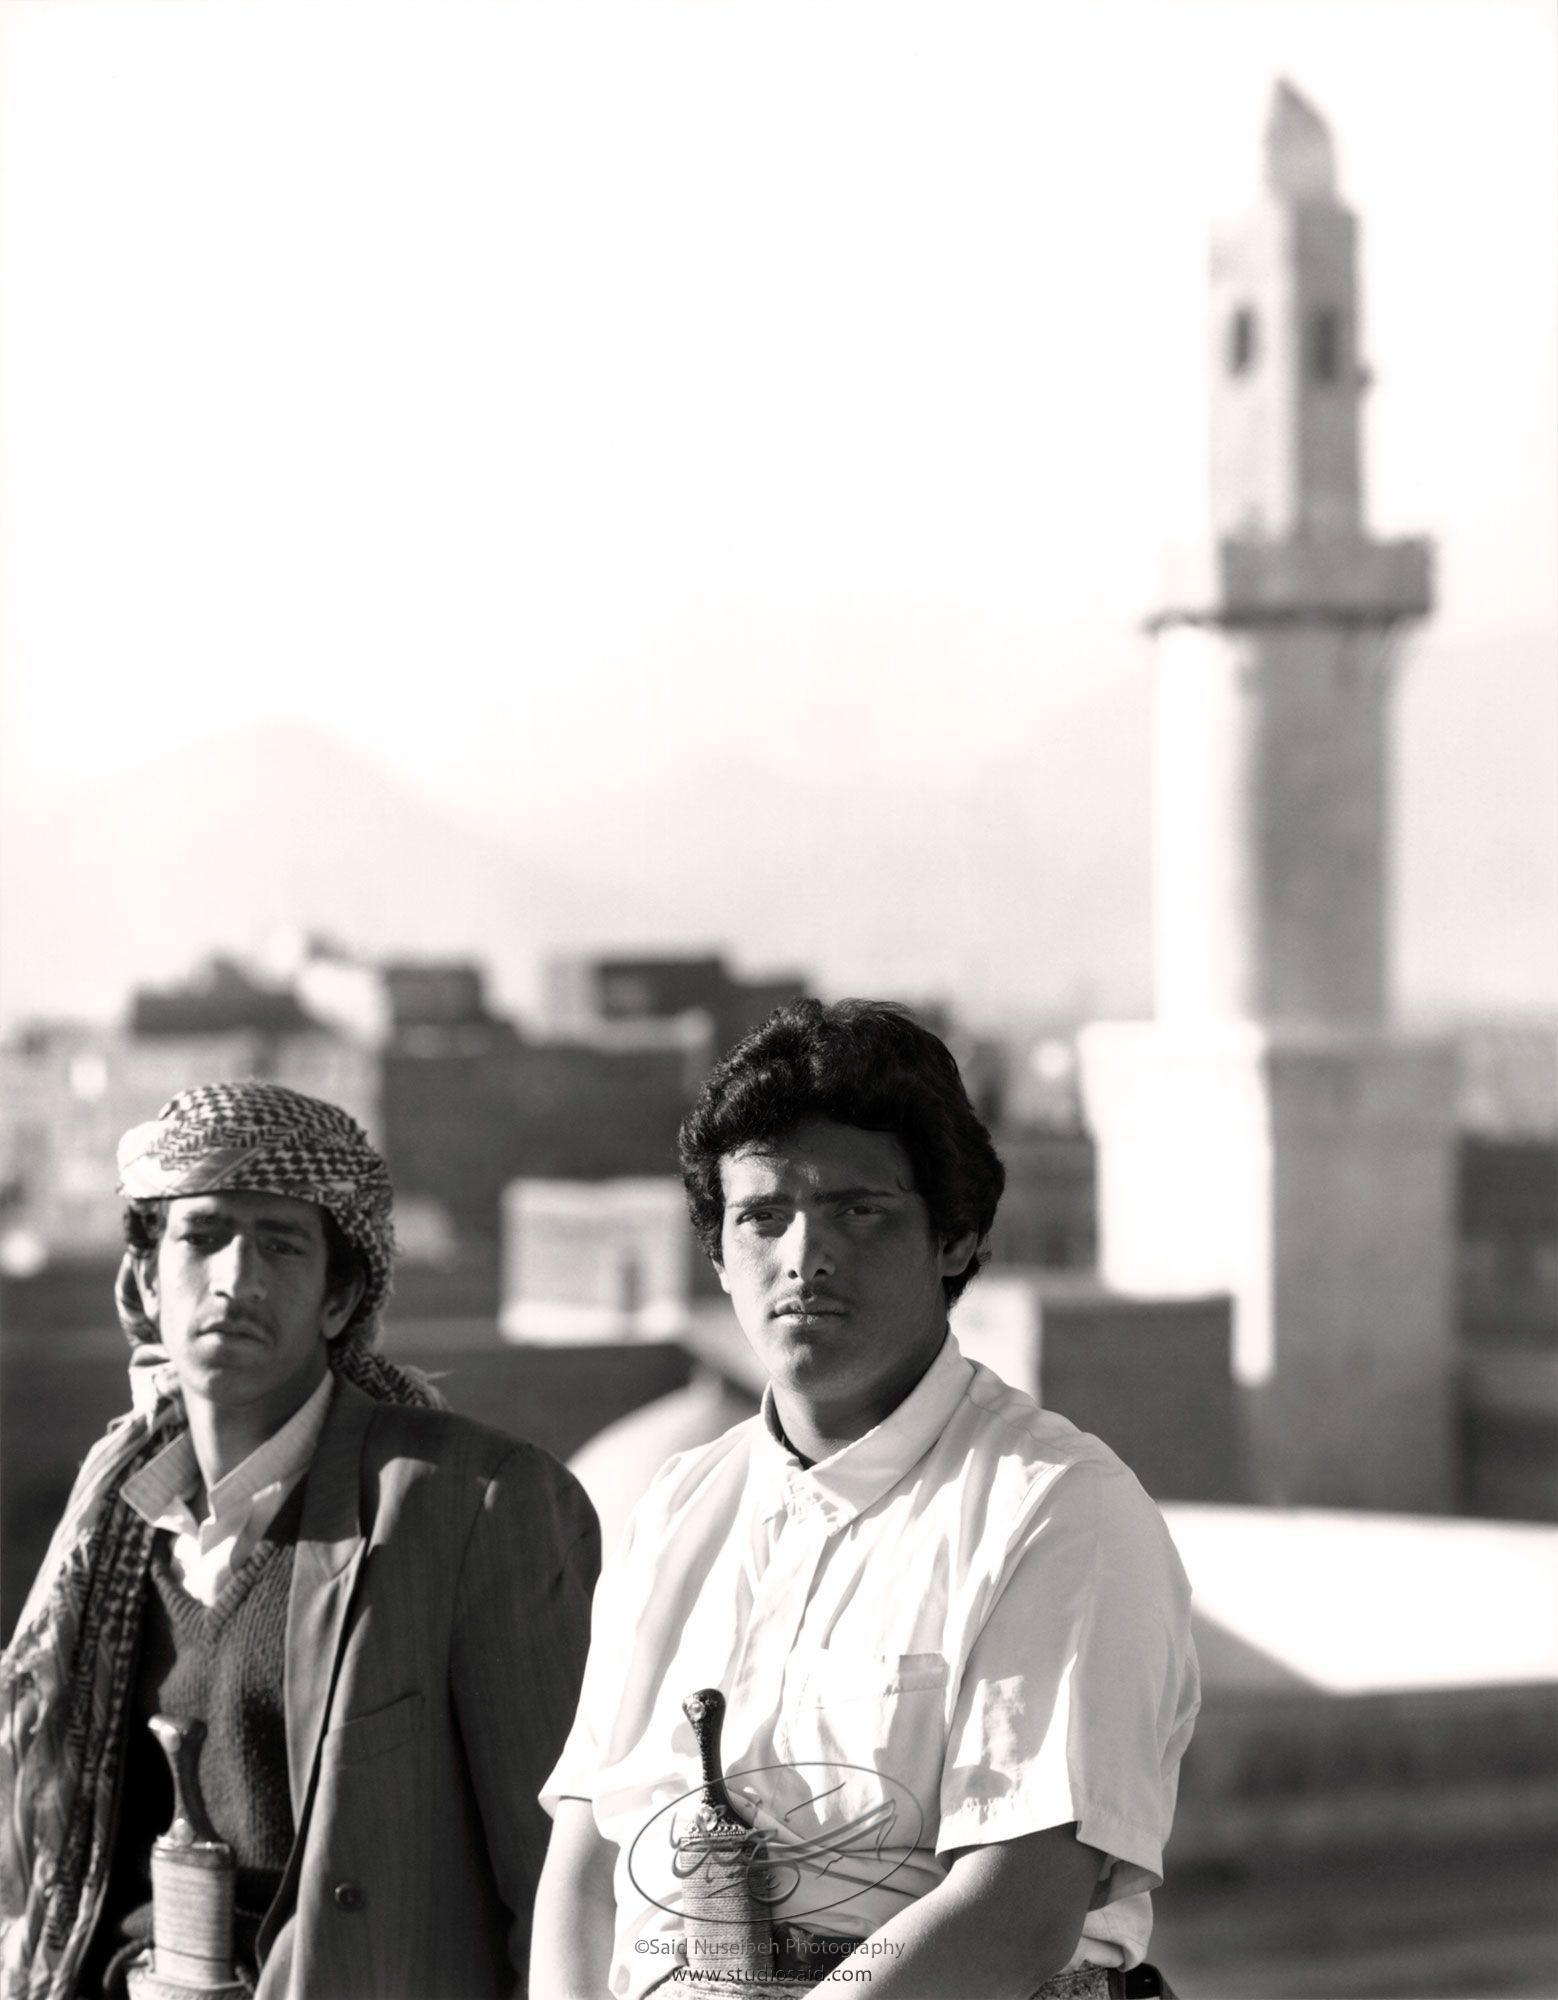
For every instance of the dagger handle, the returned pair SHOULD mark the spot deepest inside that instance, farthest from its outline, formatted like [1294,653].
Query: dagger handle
[705,1710]
[181,1739]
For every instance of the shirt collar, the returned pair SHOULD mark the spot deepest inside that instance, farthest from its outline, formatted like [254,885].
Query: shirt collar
[163,1491]
[856,1477]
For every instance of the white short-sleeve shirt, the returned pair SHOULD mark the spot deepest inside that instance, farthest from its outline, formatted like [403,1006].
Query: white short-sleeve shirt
[968,1625]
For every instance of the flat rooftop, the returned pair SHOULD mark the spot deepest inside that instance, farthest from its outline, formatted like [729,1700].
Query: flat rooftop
[1368,1603]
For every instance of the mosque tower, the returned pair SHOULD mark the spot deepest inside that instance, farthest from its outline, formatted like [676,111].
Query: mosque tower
[1268,1134]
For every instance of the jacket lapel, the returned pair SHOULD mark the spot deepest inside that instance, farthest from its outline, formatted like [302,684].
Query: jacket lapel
[329,1555]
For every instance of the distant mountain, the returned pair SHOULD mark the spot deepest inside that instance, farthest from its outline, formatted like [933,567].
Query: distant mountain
[1022,889]
[216,847]
[1476,812]
[1027,882]
[1030,881]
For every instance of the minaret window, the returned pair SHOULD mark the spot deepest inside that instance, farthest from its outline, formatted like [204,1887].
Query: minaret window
[1325,346]
[1241,342]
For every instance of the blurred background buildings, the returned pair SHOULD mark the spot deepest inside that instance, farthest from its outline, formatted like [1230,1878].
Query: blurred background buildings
[1290,1244]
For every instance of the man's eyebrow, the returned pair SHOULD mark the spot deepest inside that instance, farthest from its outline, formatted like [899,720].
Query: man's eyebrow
[769,1199]
[273,1225]
[281,1225]
[863,1193]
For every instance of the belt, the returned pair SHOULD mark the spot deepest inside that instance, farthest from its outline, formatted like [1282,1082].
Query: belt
[1106,1982]
[803,1957]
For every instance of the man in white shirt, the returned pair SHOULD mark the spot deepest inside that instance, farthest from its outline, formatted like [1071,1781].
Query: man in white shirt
[377,1608]
[951,1631]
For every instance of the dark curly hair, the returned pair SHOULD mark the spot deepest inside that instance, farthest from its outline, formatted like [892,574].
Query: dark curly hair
[858,1062]
[146,1223]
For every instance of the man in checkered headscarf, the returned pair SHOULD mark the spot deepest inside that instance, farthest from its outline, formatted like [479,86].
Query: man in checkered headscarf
[211,1562]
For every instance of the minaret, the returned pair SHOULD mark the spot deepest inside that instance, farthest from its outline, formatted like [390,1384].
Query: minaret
[1270,828]
[1267,1134]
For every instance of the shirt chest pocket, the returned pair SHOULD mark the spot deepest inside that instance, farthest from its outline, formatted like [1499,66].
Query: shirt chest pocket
[869,1727]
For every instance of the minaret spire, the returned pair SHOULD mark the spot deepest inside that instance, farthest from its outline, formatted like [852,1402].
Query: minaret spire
[1300,159]
[1287,373]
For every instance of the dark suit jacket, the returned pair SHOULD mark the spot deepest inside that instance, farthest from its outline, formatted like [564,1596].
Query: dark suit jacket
[436,1634]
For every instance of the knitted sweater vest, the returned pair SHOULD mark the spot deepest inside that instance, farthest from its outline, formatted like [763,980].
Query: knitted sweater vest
[226,1664]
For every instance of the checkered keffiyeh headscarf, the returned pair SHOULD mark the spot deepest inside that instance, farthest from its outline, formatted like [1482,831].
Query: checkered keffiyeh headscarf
[266,1139]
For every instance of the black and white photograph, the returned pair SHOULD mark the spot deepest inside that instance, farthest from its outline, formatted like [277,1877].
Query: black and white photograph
[779,999]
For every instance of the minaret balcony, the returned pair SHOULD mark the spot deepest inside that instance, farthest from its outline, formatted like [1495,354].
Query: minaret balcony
[1245,580]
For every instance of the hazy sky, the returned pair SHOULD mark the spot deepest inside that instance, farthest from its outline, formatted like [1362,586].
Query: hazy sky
[532,393]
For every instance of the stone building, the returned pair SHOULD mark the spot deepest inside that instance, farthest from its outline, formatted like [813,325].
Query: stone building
[692,1000]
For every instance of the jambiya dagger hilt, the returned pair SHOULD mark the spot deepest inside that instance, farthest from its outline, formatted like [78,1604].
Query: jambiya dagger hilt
[705,1710]
[192,1875]
[722,1862]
